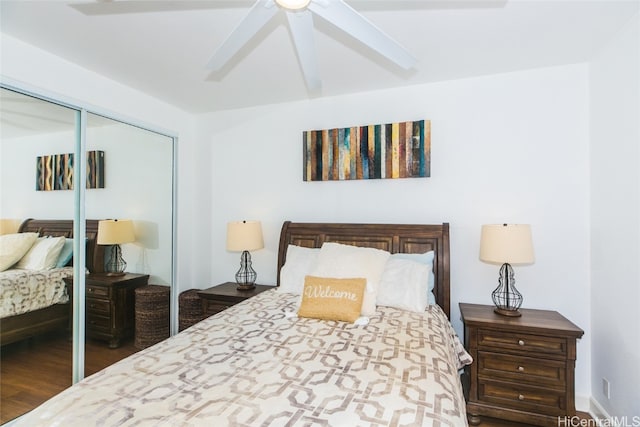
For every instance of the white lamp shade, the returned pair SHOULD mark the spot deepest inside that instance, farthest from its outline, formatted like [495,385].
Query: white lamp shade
[506,243]
[9,226]
[244,236]
[115,232]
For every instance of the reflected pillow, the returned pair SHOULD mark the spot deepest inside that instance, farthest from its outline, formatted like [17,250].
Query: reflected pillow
[65,254]
[43,255]
[332,299]
[13,247]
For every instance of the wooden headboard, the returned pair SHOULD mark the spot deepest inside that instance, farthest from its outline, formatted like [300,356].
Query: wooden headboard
[394,238]
[64,227]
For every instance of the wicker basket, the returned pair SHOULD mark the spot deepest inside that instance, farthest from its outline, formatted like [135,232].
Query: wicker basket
[190,310]
[152,315]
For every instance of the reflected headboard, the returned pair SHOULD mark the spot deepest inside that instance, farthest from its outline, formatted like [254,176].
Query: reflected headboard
[394,238]
[64,227]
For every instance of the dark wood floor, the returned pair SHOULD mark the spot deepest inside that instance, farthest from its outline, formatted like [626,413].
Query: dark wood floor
[32,371]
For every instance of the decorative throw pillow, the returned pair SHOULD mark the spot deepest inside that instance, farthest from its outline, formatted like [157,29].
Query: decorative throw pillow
[299,262]
[65,254]
[43,254]
[427,259]
[13,247]
[332,299]
[404,285]
[345,261]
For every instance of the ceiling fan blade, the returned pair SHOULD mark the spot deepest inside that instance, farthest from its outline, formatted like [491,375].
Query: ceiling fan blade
[301,25]
[350,21]
[258,16]
[115,7]
[427,4]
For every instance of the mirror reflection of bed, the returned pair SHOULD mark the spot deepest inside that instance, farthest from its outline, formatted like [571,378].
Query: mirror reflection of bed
[35,322]
[33,127]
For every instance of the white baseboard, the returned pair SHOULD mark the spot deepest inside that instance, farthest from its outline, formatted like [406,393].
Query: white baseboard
[597,411]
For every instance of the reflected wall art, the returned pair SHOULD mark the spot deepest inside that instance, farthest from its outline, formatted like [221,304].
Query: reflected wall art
[394,150]
[55,171]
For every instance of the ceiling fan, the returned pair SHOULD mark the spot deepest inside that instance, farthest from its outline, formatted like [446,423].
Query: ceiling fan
[299,16]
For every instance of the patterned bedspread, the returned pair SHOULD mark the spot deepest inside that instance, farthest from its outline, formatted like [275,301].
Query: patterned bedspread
[252,365]
[22,291]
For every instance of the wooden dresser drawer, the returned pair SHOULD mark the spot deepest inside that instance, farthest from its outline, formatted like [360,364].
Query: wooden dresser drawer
[97,291]
[98,323]
[520,342]
[98,306]
[523,369]
[524,397]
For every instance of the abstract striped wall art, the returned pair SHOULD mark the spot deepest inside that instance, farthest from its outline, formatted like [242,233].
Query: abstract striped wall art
[55,172]
[394,150]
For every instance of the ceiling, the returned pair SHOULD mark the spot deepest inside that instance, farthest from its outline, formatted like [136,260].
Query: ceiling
[162,47]
[23,116]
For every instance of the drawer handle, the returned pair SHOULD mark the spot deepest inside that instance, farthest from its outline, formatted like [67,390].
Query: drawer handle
[93,306]
[520,397]
[90,289]
[520,368]
[520,342]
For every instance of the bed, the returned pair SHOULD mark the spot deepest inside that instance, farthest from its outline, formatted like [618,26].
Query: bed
[258,364]
[55,316]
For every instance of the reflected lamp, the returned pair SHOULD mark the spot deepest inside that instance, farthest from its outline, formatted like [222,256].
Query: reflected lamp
[9,226]
[115,232]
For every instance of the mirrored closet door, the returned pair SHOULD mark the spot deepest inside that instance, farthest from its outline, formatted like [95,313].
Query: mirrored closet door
[129,177]
[36,351]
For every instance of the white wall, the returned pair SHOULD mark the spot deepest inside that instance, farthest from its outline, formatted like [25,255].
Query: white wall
[615,209]
[505,148]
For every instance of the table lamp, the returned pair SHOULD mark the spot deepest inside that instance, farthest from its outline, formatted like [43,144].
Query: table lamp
[506,244]
[114,232]
[245,236]
[9,226]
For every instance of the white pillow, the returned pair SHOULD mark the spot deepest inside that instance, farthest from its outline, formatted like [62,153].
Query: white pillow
[43,255]
[427,259]
[299,263]
[13,247]
[404,285]
[340,261]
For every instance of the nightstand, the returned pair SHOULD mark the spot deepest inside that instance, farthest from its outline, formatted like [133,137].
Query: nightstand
[110,305]
[225,295]
[523,367]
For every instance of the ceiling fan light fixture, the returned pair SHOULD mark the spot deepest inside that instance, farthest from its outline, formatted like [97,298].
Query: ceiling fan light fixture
[293,4]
